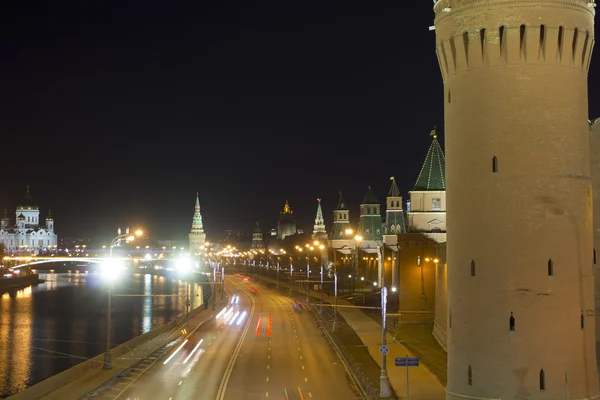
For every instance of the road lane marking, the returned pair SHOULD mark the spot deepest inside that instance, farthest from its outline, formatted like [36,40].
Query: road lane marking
[301,357]
[193,351]
[267,379]
[267,394]
[300,392]
[303,367]
[180,382]
[176,351]
[309,394]
[305,379]
[267,367]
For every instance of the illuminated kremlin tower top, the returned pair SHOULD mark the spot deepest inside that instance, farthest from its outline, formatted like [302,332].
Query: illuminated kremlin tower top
[319,232]
[197,235]
[287,224]
[257,238]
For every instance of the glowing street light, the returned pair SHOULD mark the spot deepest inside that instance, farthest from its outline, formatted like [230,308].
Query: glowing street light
[112,266]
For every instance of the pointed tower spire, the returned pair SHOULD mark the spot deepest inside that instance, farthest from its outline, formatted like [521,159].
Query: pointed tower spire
[433,171]
[369,224]
[341,205]
[395,219]
[394,192]
[197,235]
[319,232]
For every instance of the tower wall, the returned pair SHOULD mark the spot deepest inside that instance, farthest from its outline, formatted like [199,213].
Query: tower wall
[519,193]
[595,169]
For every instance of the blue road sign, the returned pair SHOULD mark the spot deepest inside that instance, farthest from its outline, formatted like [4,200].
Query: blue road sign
[407,362]
[384,350]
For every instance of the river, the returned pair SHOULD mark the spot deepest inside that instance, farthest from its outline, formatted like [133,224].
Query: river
[50,327]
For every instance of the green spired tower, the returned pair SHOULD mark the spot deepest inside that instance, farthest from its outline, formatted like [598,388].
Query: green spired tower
[369,223]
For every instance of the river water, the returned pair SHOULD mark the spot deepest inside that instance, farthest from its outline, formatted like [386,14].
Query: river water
[50,327]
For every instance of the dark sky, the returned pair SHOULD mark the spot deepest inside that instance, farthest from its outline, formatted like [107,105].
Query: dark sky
[119,114]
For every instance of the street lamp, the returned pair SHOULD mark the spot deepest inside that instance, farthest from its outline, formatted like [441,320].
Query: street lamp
[113,243]
[384,380]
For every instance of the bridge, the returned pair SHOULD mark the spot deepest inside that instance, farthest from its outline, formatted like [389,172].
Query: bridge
[180,263]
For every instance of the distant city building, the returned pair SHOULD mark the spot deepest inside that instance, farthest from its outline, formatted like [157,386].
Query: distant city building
[197,235]
[287,224]
[427,213]
[319,231]
[257,239]
[28,233]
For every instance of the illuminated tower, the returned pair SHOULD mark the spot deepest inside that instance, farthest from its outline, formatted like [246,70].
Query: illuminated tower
[197,235]
[257,238]
[427,214]
[369,223]
[286,225]
[395,221]
[519,225]
[319,232]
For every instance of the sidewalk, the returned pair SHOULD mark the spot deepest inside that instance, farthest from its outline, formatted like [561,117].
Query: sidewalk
[423,384]
[98,377]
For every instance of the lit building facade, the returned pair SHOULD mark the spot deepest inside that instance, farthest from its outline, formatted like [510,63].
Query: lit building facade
[521,321]
[286,225]
[28,233]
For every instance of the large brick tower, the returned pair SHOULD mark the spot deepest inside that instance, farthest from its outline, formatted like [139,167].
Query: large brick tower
[519,198]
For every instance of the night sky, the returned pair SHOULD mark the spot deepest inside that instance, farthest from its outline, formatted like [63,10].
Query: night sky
[117,115]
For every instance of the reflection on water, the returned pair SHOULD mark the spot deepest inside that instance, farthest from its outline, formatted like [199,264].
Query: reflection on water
[50,327]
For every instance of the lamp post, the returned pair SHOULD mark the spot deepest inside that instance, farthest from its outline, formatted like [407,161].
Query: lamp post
[113,243]
[358,239]
[384,380]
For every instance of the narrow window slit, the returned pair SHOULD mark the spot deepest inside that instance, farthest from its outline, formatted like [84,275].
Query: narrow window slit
[472,267]
[585,45]
[501,32]
[482,40]
[542,379]
[550,267]
[560,40]
[511,322]
[522,39]
[466,44]
[470,376]
[575,37]
[494,164]
[582,320]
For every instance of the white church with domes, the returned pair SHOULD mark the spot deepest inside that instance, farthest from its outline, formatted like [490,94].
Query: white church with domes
[27,234]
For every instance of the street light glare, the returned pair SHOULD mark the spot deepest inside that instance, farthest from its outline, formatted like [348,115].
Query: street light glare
[348,232]
[139,232]
[358,238]
[130,238]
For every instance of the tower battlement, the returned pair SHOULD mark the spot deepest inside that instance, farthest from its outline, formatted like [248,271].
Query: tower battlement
[513,33]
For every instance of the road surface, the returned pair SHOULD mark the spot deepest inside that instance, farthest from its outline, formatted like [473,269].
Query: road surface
[274,352]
